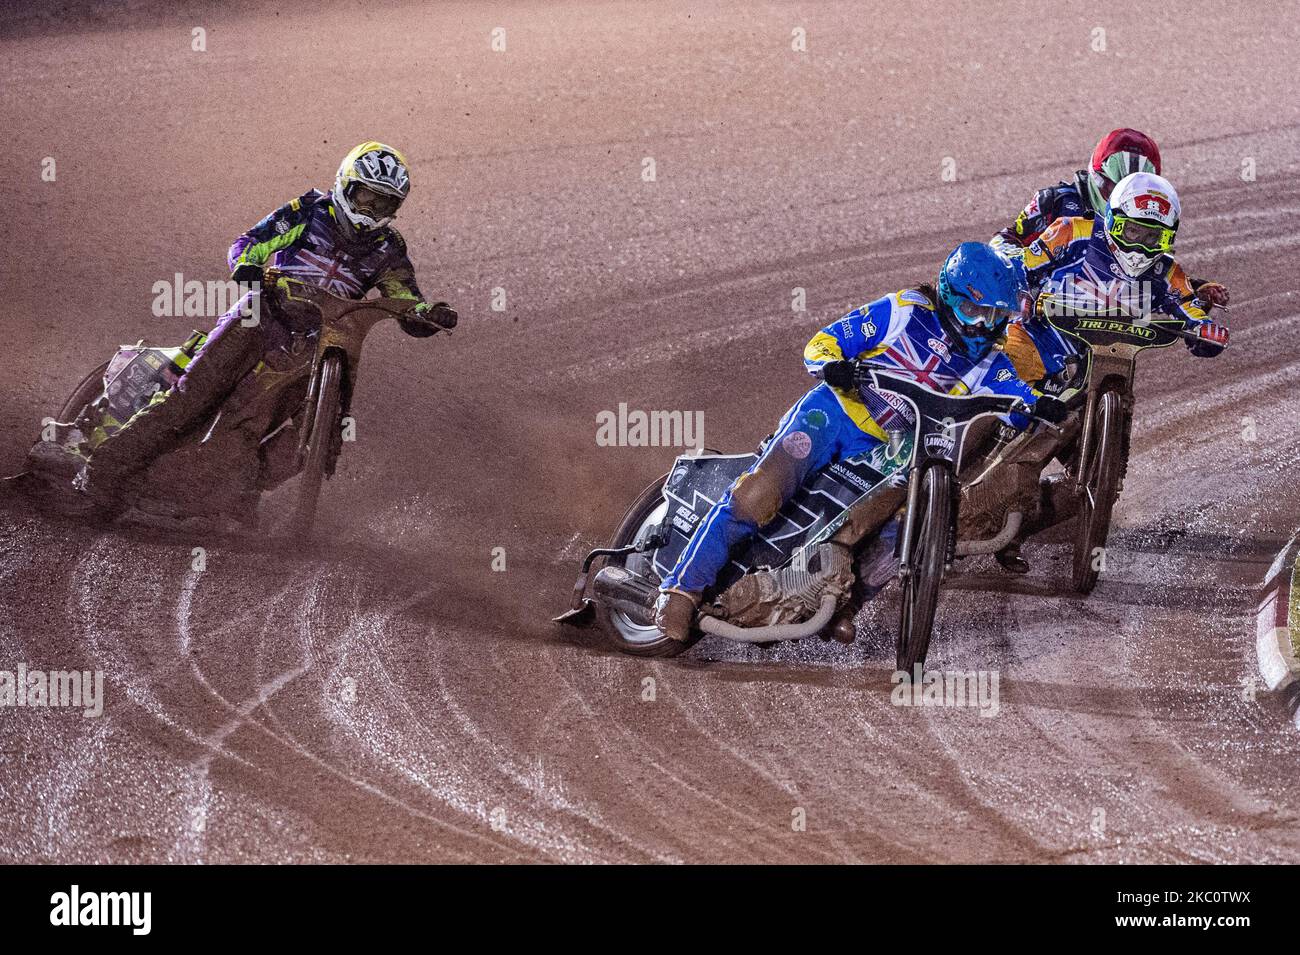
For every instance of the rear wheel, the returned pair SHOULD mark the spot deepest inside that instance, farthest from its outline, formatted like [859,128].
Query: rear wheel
[1101,491]
[90,388]
[320,443]
[639,637]
[929,555]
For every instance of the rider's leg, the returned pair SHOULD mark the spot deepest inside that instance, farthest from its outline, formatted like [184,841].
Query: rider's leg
[1027,358]
[231,351]
[1048,501]
[1057,504]
[813,433]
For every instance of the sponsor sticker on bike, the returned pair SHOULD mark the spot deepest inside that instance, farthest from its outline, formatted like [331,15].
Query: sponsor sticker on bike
[939,444]
[684,519]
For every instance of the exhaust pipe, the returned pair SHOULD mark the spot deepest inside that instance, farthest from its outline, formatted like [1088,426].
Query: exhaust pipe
[993,544]
[778,631]
[620,590]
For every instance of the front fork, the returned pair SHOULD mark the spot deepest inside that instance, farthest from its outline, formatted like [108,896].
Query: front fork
[911,525]
[1104,368]
[907,538]
[313,394]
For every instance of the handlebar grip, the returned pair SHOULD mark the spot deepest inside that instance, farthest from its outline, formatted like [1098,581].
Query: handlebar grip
[441,315]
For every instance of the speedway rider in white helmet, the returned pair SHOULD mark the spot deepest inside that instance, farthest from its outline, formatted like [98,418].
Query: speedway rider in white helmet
[1117,264]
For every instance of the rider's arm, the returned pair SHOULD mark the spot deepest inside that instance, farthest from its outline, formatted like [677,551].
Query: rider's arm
[277,231]
[1180,300]
[396,279]
[996,375]
[1050,250]
[861,333]
[1033,219]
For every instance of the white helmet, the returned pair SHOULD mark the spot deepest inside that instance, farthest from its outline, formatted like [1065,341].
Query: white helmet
[1141,220]
[371,183]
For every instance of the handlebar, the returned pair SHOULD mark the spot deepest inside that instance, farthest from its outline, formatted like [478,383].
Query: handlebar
[399,308]
[1182,333]
[886,378]
[1147,319]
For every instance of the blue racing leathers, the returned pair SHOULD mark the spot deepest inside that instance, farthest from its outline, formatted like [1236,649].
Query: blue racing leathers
[903,331]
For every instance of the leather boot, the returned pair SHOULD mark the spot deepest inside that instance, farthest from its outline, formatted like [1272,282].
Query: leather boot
[1011,560]
[675,613]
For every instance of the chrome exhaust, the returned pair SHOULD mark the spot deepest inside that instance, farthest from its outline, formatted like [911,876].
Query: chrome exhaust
[778,631]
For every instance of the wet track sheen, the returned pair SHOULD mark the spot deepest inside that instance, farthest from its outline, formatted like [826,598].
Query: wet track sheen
[386,695]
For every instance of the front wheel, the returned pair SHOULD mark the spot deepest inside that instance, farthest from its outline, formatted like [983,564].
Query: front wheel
[932,527]
[320,442]
[1101,488]
[638,637]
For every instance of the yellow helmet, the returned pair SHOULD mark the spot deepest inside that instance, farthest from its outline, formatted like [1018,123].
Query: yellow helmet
[371,184]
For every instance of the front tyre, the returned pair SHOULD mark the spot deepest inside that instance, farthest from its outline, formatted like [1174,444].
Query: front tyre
[325,423]
[1101,491]
[929,555]
[626,633]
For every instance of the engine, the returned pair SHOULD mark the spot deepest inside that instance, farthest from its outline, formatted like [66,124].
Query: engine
[792,592]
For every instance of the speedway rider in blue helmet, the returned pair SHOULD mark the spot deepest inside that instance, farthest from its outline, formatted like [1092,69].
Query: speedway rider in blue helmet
[943,338]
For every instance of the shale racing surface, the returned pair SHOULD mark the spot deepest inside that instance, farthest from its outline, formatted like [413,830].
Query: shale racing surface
[388,695]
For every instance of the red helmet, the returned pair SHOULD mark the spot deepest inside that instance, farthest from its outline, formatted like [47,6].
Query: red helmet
[1120,153]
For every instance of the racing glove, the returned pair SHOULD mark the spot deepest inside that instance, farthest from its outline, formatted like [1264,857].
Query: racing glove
[1213,294]
[431,316]
[1051,409]
[440,313]
[248,273]
[1213,333]
[842,374]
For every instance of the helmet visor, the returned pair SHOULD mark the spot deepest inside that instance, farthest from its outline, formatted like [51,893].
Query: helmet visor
[983,316]
[1137,235]
[1103,185]
[368,202]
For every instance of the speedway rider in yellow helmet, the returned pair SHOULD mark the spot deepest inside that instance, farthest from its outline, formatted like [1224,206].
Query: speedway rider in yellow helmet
[371,184]
[341,241]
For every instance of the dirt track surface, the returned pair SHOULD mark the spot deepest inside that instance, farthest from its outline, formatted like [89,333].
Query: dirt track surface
[388,696]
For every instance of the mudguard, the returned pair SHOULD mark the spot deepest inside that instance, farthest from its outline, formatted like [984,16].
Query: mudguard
[136,376]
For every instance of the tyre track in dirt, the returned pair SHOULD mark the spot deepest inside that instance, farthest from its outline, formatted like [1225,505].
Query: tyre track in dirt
[389,697]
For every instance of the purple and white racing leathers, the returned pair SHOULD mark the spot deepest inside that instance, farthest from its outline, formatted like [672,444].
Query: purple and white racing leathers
[302,239]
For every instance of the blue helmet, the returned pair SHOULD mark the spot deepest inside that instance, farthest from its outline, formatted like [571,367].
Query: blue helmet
[982,289]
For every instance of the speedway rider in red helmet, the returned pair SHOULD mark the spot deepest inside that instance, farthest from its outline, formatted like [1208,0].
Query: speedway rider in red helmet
[1120,153]
[1114,263]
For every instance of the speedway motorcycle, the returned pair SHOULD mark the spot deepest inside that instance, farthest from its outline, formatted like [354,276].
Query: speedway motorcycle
[285,418]
[813,566]
[1093,442]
